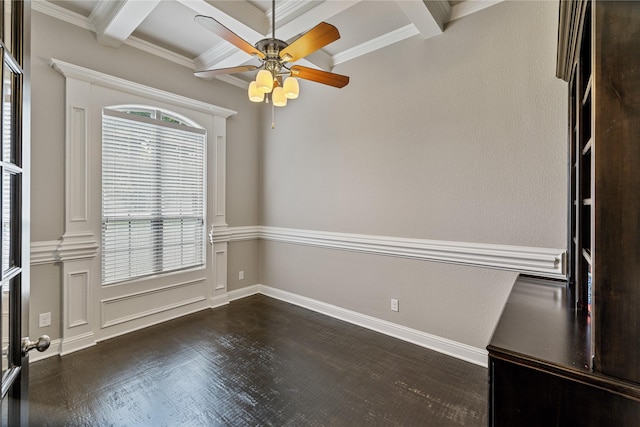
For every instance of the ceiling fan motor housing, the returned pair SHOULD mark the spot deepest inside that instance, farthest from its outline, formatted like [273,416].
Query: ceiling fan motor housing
[271,47]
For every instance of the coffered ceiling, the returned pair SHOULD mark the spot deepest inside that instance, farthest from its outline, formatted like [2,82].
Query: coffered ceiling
[167,28]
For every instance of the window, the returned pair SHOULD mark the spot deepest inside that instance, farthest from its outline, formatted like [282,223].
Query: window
[153,193]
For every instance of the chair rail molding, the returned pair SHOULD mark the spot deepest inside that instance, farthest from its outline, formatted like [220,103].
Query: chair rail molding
[71,247]
[542,262]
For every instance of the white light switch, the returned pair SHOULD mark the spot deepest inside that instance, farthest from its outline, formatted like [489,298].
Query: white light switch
[45,320]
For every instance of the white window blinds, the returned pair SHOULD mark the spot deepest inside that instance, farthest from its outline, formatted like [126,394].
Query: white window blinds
[153,195]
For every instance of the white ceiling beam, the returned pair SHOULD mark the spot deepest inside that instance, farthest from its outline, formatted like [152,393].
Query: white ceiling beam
[115,21]
[306,21]
[429,16]
[374,44]
[468,7]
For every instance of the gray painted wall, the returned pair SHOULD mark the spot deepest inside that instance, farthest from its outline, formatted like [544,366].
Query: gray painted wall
[457,138]
[460,137]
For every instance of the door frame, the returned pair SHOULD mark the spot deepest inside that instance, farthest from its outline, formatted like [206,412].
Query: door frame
[15,381]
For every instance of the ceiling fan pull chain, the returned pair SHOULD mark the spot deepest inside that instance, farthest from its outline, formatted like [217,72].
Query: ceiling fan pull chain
[273,116]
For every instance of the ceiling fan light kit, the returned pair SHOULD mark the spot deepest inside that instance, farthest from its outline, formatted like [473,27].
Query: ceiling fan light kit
[291,87]
[264,81]
[278,98]
[276,80]
[254,94]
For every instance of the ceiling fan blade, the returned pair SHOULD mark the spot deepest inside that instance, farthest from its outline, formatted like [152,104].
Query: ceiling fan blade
[218,71]
[217,28]
[314,39]
[324,77]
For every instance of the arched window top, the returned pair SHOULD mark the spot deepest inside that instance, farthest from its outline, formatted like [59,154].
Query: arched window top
[156,114]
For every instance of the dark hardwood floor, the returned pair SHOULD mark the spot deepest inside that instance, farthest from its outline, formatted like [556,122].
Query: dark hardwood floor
[256,362]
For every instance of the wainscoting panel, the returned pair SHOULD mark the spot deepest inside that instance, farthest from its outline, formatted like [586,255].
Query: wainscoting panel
[122,309]
[78,294]
[220,265]
[77,155]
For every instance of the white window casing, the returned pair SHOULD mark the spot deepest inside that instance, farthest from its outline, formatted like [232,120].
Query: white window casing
[153,195]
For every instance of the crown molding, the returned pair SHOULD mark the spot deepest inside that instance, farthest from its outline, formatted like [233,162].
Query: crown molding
[219,52]
[153,49]
[375,44]
[234,81]
[62,14]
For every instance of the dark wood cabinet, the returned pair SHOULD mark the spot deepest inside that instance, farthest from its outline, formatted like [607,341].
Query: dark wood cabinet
[540,365]
[569,353]
[599,56]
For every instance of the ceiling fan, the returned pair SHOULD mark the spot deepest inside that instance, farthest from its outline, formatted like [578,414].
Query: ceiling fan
[276,78]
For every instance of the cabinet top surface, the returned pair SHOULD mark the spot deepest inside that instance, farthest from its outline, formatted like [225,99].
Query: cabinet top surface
[540,324]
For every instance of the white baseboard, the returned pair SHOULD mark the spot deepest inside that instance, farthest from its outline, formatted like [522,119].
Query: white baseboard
[244,292]
[218,301]
[76,343]
[451,348]
[53,350]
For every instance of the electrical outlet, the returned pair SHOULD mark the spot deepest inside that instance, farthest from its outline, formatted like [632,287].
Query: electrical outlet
[394,304]
[45,320]
[241,275]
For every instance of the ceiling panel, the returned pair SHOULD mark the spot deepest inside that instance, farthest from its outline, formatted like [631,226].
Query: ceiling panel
[365,21]
[82,7]
[171,26]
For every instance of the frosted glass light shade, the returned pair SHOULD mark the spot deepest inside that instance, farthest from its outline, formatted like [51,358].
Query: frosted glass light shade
[279,100]
[254,94]
[264,81]
[291,88]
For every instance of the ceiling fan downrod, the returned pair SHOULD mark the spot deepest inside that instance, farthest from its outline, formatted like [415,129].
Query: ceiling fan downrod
[273,19]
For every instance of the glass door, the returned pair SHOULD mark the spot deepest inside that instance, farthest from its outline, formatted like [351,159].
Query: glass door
[14,208]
